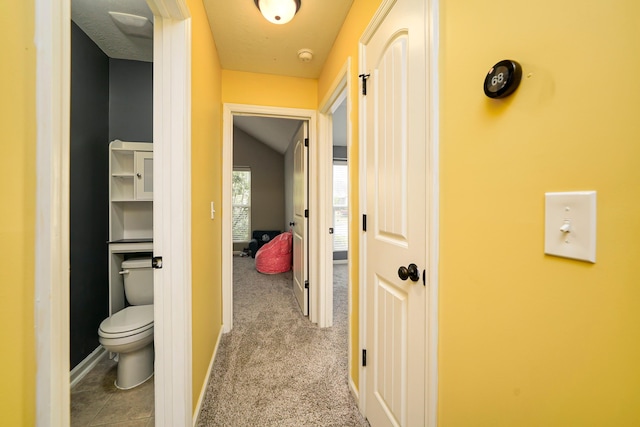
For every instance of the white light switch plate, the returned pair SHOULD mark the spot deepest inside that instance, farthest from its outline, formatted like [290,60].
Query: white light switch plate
[570,225]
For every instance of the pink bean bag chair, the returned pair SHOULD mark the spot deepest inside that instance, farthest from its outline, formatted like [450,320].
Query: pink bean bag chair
[275,256]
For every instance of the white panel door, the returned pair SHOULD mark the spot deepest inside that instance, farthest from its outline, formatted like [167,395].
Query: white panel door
[396,208]
[299,226]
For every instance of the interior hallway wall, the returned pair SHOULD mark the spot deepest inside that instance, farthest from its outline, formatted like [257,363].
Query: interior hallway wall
[89,194]
[528,339]
[206,187]
[18,213]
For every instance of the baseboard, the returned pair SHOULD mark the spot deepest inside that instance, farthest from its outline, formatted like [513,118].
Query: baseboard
[203,390]
[84,367]
[354,392]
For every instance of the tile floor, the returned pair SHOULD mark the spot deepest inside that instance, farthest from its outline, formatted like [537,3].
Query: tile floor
[95,400]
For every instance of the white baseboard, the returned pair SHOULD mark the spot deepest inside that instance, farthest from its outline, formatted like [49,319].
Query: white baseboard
[203,390]
[84,367]
[354,392]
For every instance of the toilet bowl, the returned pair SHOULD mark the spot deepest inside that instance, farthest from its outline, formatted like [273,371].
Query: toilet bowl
[129,332]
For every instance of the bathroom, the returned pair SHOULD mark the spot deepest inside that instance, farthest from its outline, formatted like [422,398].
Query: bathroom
[111,99]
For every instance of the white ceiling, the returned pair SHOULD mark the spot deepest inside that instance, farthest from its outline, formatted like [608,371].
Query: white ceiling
[92,16]
[245,42]
[248,42]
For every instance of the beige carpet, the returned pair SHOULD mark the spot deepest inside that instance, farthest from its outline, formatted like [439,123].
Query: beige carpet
[275,368]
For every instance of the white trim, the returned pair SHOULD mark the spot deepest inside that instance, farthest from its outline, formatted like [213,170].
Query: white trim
[230,110]
[362,249]
[433,78]
[172,213]
[354,391]
[83,368]
[203,390]
[53,79]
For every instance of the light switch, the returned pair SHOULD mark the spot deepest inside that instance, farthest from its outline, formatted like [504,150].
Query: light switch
[570,225]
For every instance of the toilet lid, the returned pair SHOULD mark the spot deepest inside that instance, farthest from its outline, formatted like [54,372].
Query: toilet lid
[137,263]
[132,318]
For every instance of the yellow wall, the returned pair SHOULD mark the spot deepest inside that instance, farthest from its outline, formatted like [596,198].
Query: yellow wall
[266,89]
[345,47]
[206,186]
[527,339]
[17,214]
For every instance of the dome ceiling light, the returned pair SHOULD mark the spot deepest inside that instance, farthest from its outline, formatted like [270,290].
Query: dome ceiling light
[278,11]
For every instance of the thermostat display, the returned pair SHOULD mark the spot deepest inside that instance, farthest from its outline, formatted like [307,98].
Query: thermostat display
[502,79]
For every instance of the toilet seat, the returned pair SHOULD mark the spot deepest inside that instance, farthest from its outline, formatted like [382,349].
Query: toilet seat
[132,320]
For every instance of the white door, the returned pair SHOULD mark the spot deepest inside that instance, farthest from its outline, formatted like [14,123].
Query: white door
[299,226]
[396,208]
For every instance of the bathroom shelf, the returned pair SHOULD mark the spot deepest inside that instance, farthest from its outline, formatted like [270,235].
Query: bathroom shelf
[130,210]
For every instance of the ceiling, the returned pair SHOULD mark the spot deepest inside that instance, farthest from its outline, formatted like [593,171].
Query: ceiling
[245,42]
[248,42]
[92,16]
[274,132]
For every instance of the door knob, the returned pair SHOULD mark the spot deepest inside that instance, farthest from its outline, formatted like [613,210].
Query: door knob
[410,272]
[292,224]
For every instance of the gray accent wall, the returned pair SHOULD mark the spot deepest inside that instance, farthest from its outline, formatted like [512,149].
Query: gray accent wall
[131,100]
[89,193]
[267,182]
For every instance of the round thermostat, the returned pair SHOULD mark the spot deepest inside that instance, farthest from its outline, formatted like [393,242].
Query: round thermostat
[502,79]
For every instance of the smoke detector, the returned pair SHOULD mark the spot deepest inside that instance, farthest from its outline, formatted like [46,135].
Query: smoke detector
[305,55]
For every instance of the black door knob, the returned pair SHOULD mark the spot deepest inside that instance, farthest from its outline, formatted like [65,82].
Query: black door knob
[414,273]
[292,224]
[410,272]
[403,273]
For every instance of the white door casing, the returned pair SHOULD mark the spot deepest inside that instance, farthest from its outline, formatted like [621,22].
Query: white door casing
[396,139]
[339,91]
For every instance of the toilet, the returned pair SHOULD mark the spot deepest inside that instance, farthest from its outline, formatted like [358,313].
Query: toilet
[129,332]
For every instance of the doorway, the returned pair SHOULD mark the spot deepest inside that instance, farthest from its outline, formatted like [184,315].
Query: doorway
[231,111]
[172,323]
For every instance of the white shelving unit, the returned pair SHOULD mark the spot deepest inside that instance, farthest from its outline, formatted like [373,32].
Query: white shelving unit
[130,210]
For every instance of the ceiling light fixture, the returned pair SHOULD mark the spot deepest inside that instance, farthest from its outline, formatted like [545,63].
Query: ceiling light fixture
[278,11]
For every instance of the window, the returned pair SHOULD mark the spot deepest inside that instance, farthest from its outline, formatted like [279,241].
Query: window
[241,204]
[340,207]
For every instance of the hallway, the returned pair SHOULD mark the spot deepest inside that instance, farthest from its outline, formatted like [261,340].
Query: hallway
[275,367]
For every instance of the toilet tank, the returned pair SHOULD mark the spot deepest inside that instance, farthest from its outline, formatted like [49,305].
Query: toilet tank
[138,281]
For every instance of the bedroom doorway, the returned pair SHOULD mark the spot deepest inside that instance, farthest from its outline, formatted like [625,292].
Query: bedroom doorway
[259,124]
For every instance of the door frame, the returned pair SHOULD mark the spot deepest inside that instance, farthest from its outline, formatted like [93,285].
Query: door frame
[339,90]
[316,287]
[172,102]
[433,203]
